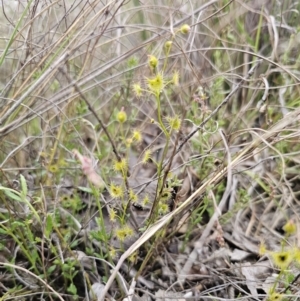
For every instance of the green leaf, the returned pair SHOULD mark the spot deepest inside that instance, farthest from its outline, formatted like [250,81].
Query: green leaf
[37,239]
[12,195]
[51,269]
[15,195]
[2,231]
[72,289]
[85,189]
[17,224]
[74,243]
[23,185]
[49,225]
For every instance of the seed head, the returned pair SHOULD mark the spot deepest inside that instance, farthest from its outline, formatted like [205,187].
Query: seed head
[137,136]
[128,231]
[174,122]
[116,191]
[296,254]
[132,196]
[157,83]
[133,257]
[146,200]
[120,234]
[137,89]
[112,215]
[275,297]
[113,252]
[124,232]
[282,259]
[121,165]
[163,208]
[147,156]
[53,168]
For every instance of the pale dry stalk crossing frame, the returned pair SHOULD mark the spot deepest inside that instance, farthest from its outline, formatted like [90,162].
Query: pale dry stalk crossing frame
[68,68]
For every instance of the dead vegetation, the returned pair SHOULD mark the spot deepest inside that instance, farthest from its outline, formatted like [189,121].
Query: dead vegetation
[149,151]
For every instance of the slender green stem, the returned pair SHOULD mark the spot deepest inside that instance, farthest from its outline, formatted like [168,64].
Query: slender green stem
[22,247]
[159,117]
[11,40]
[154,212]
[101,219]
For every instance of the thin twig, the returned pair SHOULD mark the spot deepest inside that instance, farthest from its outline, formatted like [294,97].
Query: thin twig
[267,88]
[93,112]
[13,266]
[51,69]
[218,211]
[164,179]
[273,131]
[135,224]
[217,109]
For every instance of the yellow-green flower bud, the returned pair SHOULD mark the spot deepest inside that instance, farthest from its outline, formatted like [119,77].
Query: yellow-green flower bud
[185,29]
[153,61]
[168,45]
[290,227]
[175,78]
[122,116]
